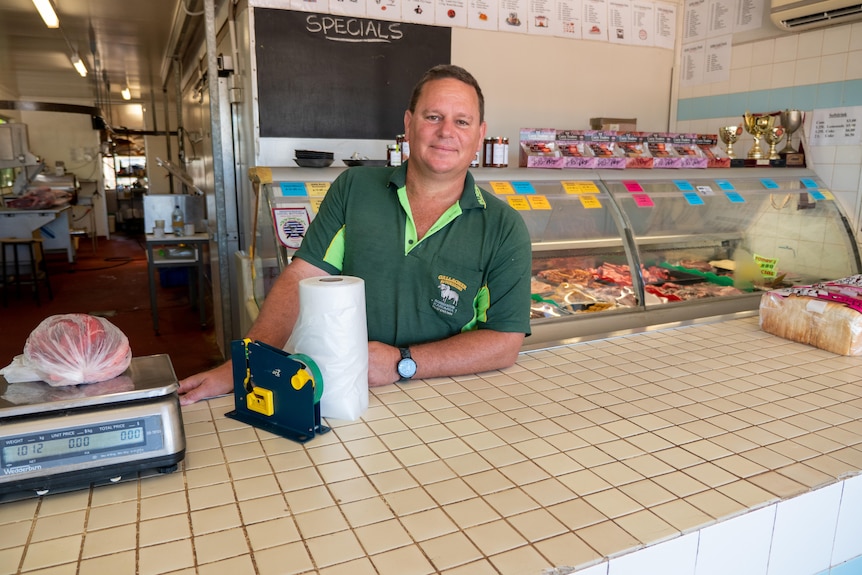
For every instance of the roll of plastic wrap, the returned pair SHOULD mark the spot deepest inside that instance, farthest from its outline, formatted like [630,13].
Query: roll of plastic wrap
[332,331]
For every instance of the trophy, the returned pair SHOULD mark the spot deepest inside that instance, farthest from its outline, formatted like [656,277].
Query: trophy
[729,135]
[757,126]
[772,137]
[791,120]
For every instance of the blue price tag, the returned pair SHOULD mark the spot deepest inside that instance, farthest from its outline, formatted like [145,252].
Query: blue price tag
[769,184]
[724,185]
[817,194]
[693,198]
[293,189]
[523,188]
[809,183]
[734,197]
[683,186]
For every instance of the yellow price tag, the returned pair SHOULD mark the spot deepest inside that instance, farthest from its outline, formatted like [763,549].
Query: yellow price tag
[827,194]
[590,201]
[519,203]
[539,202]
[317,188]
[580,187]
[502,188]
[315,203]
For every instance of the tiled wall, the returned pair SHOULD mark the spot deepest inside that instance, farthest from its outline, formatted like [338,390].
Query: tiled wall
[816,69]
[816,533]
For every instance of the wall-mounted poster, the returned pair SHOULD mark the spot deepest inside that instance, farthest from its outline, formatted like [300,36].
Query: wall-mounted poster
[541,17]
[512,16]
[383,9]
[348,7]
[665,25]
[619,21]
[694,20]
[568,21]
[594,25]
[716,66]
[482,14]
[451,13]
[418,11]
[643,23]
[693,55]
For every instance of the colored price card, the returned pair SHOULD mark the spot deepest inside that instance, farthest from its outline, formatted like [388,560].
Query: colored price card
[315,204]
[724,185]
[318,189]
[643,200]
[827,195]
[632,186]
[580,187]
[769,184]
[539,202]
[519,203]
[683,186]
[590,201]
[692,198]
[502,188]
[767,266]
[809,183]
[816,194]
[523,188]
[293,189]
[734,197]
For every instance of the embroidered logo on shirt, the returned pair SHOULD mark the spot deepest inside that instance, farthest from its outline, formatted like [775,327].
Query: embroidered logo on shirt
[449,295]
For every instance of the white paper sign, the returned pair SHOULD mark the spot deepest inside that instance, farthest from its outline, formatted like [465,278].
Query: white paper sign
[836,127]
[749,15]
[482,14]
[619,21]
[665,25]
[693,55]
[594,25]
[541,17]
[347,7]
[383,9]
[717,59]
[695,20]
[720,21]
[451,13]
[643,23]
[418,11]
[513,16]
[568,21]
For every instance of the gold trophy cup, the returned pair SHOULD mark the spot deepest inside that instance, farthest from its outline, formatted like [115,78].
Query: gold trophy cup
[757,126]
[729,135]
[791,120]
[772,137]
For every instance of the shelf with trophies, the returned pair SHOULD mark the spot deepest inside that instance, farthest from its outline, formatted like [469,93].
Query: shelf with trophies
[772,128]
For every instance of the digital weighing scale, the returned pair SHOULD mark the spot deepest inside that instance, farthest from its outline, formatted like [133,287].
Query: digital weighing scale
[71,436]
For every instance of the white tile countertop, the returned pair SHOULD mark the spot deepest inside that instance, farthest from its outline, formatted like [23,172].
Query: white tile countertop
[576,456]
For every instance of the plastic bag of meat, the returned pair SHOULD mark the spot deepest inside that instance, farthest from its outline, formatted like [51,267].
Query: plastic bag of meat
[71,349]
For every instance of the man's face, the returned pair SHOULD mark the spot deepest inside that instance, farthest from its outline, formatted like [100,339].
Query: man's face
[444,131]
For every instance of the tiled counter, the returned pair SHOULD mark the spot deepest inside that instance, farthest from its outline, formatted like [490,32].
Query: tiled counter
[670,442]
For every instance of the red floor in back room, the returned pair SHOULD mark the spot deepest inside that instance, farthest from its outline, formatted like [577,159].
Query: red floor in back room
[110,280]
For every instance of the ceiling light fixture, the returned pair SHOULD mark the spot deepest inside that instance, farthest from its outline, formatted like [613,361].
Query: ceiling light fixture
[46,11]
[79,64]
[126,93]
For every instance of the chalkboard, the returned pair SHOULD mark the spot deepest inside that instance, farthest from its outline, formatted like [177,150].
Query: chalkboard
[329,76]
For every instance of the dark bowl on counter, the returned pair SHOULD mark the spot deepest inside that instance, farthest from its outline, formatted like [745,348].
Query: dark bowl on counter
[365,162]
[314,162]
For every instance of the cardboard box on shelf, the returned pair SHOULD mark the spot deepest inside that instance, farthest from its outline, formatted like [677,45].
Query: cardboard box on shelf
[614,124]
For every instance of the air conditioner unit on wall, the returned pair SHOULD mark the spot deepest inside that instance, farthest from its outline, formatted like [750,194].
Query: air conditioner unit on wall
[798,15]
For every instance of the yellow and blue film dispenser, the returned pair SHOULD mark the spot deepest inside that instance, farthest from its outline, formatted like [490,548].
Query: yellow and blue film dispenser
[276,391]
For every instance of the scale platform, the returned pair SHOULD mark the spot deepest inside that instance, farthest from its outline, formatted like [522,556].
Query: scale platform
[72,436]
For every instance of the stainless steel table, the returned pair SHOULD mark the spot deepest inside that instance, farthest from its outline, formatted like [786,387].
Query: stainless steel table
[173,251]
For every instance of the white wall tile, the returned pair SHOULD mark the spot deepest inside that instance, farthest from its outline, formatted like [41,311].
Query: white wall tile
[739,80]
[783,74]
[674,557]
[810,44]
[854,65]
[785,48]
[807,71]
[833,67]
[836,40]
[824,172]
[848,155]
[804,531]
[740,56]
[762,52]
[739,546]
[856,36]
[761,77]
[848,541]
[822,155]
[845,177]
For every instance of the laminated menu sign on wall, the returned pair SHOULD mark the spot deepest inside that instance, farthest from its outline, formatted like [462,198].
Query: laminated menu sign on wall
[541,17]
[749,15]
[568,21]
[665,25]
[619,21]
[482,14]
[451,13]
[692,63]
[694,20]
[643,24]
[717,59]
[419,12]
[720,19]
[512,16]
[837,127]
[383,9]
[348,7]
[594,25]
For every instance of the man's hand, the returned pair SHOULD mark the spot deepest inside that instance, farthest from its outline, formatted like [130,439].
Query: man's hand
[217,381]
[382,362]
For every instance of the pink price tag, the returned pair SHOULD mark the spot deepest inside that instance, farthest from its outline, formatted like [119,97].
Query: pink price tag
[643,201]
[632,186]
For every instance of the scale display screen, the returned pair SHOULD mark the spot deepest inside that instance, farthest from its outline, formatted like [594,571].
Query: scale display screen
[85,443]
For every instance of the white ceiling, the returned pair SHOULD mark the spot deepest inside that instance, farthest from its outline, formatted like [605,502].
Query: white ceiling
[129,40]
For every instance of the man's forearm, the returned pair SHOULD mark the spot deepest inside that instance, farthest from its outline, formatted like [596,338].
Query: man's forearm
[465,353]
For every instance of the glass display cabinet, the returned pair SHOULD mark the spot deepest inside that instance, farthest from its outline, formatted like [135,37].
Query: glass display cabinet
[619,251]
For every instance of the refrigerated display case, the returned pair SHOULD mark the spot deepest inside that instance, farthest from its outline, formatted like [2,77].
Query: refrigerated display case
[618,251]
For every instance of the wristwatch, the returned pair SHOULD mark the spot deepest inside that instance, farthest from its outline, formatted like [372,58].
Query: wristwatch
[406,365]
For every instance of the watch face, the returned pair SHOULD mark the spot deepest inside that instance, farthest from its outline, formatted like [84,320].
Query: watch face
[407,368]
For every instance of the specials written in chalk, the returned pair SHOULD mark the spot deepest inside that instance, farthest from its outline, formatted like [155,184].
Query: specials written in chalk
[346,29]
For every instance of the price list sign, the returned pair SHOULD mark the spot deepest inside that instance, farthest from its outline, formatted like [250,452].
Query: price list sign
[836,127]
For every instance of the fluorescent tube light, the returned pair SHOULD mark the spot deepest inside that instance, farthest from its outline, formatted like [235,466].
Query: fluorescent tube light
[46,11]
[79,64]
[126,93]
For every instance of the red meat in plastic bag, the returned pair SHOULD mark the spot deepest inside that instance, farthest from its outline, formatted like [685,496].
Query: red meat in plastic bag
[71,349]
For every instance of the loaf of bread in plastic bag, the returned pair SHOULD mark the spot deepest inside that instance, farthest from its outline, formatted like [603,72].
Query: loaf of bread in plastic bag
[826,315]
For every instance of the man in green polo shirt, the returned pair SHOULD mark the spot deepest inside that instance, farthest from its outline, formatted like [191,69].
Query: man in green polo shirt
[446,265]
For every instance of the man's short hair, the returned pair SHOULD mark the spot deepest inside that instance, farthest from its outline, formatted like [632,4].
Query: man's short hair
[443,71]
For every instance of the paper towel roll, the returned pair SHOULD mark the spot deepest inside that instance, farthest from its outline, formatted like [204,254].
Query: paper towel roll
[331,330]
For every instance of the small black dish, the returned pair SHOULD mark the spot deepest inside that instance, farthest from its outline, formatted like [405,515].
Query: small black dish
[314,162]
[365,162]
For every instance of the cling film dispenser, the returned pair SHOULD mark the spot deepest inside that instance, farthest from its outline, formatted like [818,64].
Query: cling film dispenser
[276,391]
